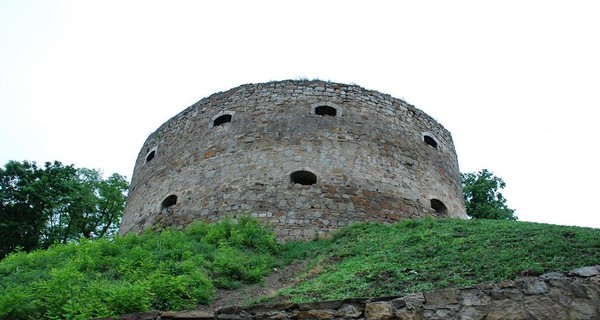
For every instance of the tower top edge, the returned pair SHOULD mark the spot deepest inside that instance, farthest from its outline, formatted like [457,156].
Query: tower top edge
[302,84]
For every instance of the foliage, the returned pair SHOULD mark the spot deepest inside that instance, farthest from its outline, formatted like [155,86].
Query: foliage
[482,198]
[371,259]
[56,203]
[170,270]
[179,269]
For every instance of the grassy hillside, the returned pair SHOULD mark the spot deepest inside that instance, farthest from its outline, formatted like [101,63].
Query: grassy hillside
[179,269]
[172,270]
[414,255]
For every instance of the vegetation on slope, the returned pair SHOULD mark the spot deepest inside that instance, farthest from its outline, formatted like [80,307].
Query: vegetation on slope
[375,260]
[179,269]
[171,270]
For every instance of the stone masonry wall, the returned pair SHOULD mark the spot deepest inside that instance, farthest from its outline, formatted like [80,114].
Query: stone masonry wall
[553,296]
[377,159]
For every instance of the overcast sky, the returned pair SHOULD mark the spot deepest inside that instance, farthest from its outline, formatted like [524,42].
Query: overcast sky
[516,82]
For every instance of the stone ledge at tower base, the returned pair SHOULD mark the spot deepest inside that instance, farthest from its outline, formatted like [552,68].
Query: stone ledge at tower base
[556,295]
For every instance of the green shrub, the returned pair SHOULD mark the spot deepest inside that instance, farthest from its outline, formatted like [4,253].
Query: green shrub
[16,302]
[179,292]
[170,270]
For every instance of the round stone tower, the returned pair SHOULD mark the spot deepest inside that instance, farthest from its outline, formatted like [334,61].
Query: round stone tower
[306,156]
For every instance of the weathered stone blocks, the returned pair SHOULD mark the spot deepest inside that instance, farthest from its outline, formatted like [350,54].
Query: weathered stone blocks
[361,156]
[571,296]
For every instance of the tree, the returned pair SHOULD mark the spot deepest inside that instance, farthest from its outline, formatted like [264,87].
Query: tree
[21,206]
[482,198]
[56,203]
[108,203]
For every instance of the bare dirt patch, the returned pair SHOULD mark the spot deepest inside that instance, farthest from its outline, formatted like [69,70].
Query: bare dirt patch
[279,279]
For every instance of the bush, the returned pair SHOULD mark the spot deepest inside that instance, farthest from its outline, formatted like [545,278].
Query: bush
[170,270]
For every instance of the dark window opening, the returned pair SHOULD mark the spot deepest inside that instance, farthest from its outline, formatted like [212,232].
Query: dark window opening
[150,156]
[222,120]
[439,207]
[326,111]
[430,141]
[168,202]
[304,178]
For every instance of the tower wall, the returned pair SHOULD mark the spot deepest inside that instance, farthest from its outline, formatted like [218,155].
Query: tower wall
[377,159]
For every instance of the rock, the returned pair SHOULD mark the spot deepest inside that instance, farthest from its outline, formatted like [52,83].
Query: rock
[140,316]
[440,297]
[209,154]
[573,289]
[506,309]
[475,297]
[585,271]
[320,305]
[506,284]
[439,313]
[348,311]
[552,275]
[313,314]
[582,309]
[191,314]
[551,296]
[265,308]
[378,311]
[544,308]
[398,303]
[534,286]
[560,296]
[234,316]
[414,300]
[470,313]
[276,315]
[230,309]
[406,314]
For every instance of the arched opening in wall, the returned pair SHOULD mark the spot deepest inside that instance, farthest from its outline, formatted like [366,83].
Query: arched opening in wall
[326,111]
[430,141]
[169,202]
[305,178]
[222,120]
[150,155]
[439,207]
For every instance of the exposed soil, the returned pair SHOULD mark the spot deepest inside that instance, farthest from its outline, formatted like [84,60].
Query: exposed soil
[279,279]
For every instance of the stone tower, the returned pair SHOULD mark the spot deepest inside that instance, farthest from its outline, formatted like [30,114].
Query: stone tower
[306,156]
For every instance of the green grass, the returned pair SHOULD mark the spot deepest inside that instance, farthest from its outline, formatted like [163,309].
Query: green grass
[174,270]
[376,260]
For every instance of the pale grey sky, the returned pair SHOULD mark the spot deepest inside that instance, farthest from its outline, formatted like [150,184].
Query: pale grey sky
[516,82]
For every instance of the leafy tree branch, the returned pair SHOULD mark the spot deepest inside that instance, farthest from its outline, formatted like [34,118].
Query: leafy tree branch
[483,199]
[56,203]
